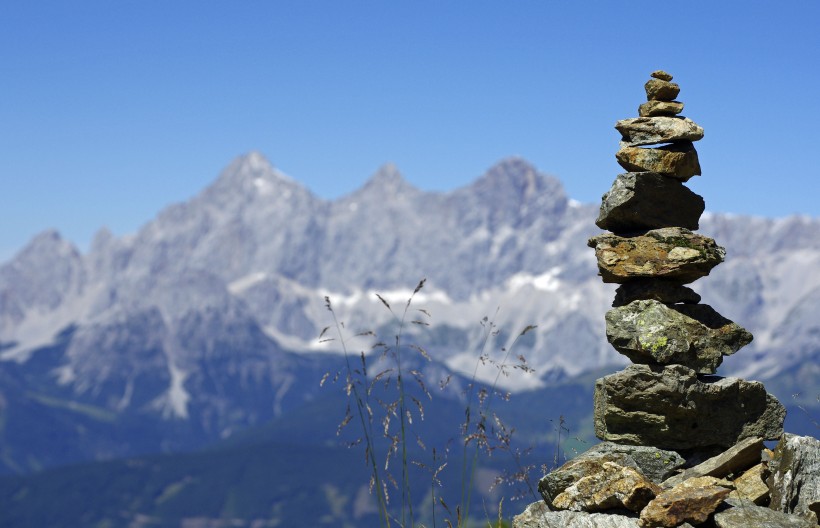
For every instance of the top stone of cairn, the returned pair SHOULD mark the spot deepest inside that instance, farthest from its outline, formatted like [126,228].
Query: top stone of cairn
[660,74]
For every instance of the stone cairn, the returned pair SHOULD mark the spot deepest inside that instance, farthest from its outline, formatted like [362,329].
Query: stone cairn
[681,446]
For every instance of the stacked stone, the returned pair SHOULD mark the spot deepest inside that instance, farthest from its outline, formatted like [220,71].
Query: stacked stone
[668,411]
[669,398]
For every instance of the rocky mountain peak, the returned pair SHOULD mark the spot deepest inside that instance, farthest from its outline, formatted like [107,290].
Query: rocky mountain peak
[103,238]
[386,182]
[48,244]
[515,181]
[511,193]
[43,273]
[517,174]
[512,171]
[250,176]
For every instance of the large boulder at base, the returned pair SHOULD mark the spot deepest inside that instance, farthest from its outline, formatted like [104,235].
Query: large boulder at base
[638,131]
[693,335]
[673,408]
[638,201]
[746,514]
[794,481]
[670,253]
[613,487]
[679,161]
[659,290]
[691,501]
[653,463]
[537,515]
[588,463]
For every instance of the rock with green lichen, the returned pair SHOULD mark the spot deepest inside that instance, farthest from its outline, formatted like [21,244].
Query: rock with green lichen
[693,335]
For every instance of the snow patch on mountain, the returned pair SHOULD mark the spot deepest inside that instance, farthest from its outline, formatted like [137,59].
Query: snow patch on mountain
[173,403]
[547,281]
[238,286]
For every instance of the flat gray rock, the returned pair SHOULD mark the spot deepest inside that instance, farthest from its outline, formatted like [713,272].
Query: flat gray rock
[638,201]
[736,459]
[673,408]
[746,514]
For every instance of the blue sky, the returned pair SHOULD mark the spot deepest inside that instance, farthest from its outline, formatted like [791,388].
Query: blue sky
[110,110]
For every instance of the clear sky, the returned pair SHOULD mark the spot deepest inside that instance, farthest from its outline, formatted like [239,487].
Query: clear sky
[110,110]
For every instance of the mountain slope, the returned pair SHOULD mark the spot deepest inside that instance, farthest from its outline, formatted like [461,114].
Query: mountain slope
[197,325]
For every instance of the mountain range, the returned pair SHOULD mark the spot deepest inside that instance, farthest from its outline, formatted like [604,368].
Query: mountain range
[206,322]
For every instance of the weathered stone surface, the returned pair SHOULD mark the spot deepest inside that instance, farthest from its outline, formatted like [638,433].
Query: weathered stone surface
[747,515]
[588,463]
[660,290]
[661,129]
[537,515]
[673,408]
[691,501]
[660,74]
[656,464]
[795,476]
[679,160]
[661,90]
[612,487]
[638,201]
[737,458]
[693,335]
[665,253]
[751,485]
[660,108]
